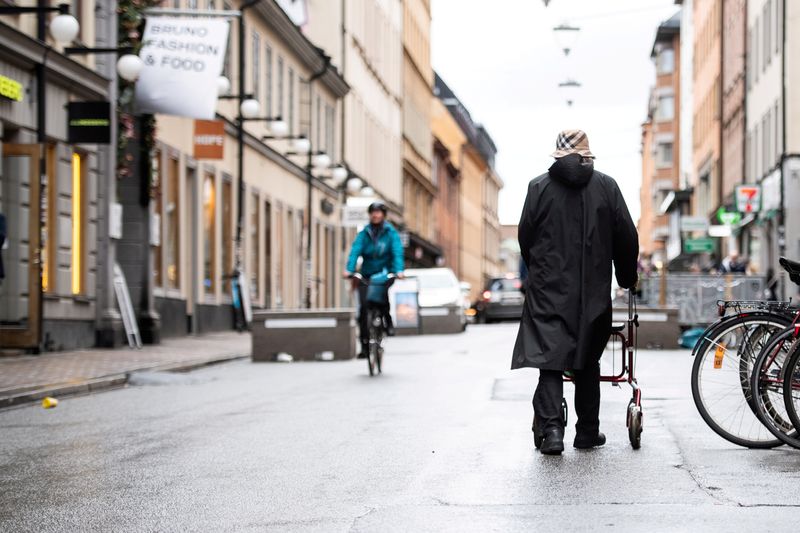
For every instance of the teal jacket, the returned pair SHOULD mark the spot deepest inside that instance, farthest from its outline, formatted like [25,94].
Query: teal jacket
[381,251]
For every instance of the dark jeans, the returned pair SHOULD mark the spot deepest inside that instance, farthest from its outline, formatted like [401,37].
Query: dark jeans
[363,327]
[550,391]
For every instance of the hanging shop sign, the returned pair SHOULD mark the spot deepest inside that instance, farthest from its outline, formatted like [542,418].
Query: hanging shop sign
[89,122]
[748,198]
[693,223]
[183,58]
[209,139]
[354,216]
[11,89]
[730,218]
[771,192]
[698,246]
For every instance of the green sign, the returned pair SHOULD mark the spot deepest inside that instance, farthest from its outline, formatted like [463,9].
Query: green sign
[729,218]
[698,246]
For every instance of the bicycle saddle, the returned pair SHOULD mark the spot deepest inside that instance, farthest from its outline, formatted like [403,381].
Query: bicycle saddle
[792,267]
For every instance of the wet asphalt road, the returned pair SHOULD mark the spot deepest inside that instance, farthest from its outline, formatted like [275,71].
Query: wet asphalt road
[440,442]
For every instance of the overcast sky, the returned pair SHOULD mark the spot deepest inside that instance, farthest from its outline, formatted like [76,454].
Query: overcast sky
[503,61]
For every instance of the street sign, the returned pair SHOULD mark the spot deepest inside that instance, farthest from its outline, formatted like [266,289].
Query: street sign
[209,139]
[694,223]
[720,231]
[698,246]
[729,218]
[748,198]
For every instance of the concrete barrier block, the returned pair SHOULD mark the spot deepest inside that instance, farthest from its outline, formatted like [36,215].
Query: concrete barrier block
[307,335]
[440,320]
[659,327]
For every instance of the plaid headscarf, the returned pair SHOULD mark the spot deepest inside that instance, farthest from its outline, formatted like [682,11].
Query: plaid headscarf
[572,142]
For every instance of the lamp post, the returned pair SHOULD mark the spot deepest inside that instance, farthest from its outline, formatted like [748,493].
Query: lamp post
[566,36]
[570,88]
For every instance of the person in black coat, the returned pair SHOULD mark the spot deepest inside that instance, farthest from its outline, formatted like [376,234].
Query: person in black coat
[574,226]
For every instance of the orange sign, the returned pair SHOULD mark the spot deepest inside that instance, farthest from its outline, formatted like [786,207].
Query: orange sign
[209,139]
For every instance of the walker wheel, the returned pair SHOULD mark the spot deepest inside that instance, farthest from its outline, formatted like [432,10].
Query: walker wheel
[635,425]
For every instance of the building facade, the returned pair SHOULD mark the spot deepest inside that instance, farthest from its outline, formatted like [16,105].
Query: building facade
[58,216]
[707,106]
[734,37]
[479,257]
[448,141]
[660,142]
[193,203]
[773,137]
[365,41]
[420,185]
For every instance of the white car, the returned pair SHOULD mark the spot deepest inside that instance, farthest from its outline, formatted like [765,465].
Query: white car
[439,287]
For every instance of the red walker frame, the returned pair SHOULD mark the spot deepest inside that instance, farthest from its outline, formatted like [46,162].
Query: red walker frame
[627,374]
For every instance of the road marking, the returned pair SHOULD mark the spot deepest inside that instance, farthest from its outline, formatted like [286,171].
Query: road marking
[298,323]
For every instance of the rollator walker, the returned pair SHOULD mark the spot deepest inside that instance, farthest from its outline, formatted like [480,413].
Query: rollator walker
[625,333]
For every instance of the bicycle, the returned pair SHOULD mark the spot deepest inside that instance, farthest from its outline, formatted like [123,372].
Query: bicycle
[773,390]
[377,302]
[725,355]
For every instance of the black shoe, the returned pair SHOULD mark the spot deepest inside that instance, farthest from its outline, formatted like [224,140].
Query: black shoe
[584,441]
[538,434]
[553,443]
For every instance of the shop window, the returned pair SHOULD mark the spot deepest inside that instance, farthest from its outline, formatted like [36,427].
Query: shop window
[209,233]
[227,233]
[158,251]
[78,255]
[253,230]
[267,240]
[50,230]
[171,218]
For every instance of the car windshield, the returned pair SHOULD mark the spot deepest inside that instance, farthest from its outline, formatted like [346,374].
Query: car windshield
[506,285]
[436,281]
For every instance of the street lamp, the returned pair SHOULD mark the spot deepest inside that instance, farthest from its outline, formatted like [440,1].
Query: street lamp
[320,160]
[129,66]
[339,174]
[354,185]
[301,145]
[566,36]
[367,192]
[223,86]
[278,128]
[249,109]
[570,89]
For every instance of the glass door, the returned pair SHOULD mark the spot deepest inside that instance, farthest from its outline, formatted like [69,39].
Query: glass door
[20,290]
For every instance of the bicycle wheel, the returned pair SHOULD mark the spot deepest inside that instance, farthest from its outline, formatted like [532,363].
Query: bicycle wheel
[791,384]
[766,384]
[721,393]
[372,355]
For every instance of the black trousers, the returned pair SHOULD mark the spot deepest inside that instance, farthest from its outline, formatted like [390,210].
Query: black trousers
[363,327]
[550,391]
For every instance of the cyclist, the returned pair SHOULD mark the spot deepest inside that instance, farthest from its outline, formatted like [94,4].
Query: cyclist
[380,247]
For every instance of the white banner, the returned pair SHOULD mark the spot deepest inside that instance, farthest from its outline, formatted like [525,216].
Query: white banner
[183,57]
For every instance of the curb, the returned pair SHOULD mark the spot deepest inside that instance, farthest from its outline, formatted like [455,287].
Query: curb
[112,381]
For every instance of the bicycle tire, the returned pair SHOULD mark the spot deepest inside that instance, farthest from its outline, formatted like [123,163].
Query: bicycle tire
[373,342]
[709,343]
[772,361]
[792,385]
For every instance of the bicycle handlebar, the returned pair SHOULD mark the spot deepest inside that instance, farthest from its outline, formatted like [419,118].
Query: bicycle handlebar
[361,279]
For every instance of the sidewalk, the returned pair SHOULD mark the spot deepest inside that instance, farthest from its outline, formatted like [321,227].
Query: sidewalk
[32,377]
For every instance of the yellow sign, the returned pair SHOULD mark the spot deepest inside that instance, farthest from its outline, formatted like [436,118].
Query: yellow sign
[719,354]
[10,89]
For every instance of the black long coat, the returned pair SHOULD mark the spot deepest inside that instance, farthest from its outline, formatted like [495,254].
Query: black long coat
[574,225]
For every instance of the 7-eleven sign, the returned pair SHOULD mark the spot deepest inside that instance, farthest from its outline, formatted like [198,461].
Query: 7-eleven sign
[748,198]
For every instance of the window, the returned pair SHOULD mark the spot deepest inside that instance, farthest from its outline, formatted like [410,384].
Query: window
[665,61]
[756,63]
[50,231]
[664,154]
[330,125]
[778,26]
[318,125]
[280,90]
[227,233]
[171,218]
[777,141]
[256,62]
[766,20]
[666,108]
[209,233]
[78,256]
[291,101]
[191,4]
[158,254]
[254,245]
[268,79]
[267,240]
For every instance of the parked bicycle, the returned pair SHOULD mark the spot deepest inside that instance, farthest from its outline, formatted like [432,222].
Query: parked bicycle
[726,390]
[377,309]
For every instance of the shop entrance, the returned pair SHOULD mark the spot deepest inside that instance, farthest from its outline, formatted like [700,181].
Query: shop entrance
[19,264]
